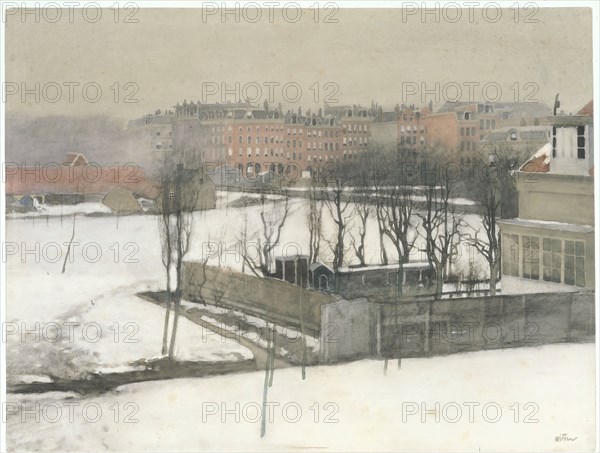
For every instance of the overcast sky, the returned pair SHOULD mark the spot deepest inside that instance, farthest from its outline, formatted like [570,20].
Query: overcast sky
[369,54]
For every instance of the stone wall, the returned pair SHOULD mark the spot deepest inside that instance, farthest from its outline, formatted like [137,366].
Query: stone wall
[353,329]
[274,299]
[471,324]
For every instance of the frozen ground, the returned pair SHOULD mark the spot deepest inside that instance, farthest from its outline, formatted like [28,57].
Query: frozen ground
[89,318]
[521,400]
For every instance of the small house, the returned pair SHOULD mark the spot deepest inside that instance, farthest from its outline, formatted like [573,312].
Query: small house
[321,277]
[121,200]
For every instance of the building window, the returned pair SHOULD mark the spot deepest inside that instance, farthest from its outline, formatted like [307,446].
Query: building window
[552,260]
[553,141]
[574,263]
[580,142]
[510,254]
[462,131]
[531,257]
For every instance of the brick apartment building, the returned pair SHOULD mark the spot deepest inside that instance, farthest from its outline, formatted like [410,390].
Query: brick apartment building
[256,140]
[460,126]
[456,126]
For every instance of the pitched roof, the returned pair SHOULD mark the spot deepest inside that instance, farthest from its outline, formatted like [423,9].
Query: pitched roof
[81,179]
[587,109]
[540,161]
[75,159]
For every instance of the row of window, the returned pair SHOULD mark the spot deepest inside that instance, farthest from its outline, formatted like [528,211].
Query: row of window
[414,129]
[580,142]
[353,141]
[468,146]
[411,140]
[355,128]
[249,129]
[467,131]
[487,124]
[314,132]
[562,261]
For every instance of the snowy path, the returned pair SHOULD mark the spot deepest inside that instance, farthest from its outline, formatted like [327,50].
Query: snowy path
[259,352]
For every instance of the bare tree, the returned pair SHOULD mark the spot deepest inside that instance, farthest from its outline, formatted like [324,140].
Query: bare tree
[179,197]
[363,210]
[441,224]
[315,226]
[337,205]
[378,176]
[186,198]
[273,221]
[489,246]
[397,216]
[167,261]
[379,215]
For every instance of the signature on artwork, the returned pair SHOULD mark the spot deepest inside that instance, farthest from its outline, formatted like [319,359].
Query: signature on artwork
[564,438]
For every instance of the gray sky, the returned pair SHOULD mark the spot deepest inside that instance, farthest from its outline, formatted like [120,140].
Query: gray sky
[369,54]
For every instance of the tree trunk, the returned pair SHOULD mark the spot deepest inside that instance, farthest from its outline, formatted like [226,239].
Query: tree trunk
[263,421]
[493,278]
[439,282]
[167,315]
[272,361]
[175,324]
[400,279]
[303,332]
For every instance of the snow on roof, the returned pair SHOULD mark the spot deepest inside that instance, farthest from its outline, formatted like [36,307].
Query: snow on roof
[587,109]
[550,225]
[410,265]
[540,161]
[316,265]
[75,159]
[545,151]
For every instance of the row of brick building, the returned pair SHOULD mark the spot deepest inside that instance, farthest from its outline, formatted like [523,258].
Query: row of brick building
[258,139]
[255,139]
[458,126]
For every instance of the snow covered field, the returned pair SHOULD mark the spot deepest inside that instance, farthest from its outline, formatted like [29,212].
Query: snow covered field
[504,400]
[222,228]
[89,318]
